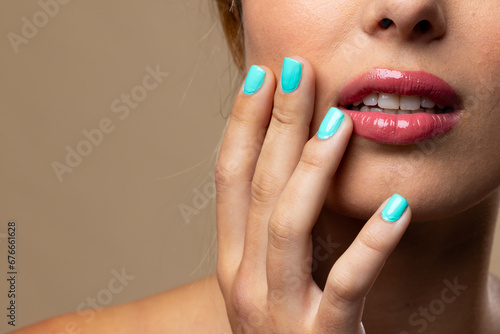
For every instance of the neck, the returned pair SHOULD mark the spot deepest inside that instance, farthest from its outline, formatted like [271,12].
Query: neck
[436,280]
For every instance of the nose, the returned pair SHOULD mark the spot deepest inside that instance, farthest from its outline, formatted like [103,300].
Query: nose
[422,20]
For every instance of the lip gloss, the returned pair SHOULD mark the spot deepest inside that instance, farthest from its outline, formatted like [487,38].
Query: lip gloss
[401,128]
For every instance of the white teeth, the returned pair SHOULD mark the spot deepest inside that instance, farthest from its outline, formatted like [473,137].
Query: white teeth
[425,102]
[388,101]
[371,100]
[409,102]
[394,104]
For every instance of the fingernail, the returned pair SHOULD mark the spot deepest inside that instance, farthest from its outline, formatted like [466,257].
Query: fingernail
[331,123]
[394,208]
[254,80]
[290,75]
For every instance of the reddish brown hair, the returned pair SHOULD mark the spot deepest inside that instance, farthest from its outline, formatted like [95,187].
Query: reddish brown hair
[230,15]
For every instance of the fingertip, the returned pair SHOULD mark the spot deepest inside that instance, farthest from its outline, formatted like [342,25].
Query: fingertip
[295,71]
[254,80]
[334,121]
[395,208]
[331,123]
[257,77]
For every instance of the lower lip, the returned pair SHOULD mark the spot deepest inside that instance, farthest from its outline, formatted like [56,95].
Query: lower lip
[401,129]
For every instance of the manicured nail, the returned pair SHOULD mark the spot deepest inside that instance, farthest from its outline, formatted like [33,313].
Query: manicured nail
[394,208]
[254,80]
[331,123]
[290,75]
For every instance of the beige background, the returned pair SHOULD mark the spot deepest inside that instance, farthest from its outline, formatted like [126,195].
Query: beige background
[121,206]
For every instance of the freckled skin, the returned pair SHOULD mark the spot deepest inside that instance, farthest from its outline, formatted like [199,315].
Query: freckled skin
[341,40]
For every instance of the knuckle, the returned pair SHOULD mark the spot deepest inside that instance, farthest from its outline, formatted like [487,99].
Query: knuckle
[224,174]
[253,146]
[281,233]
[265,186]
[283,117]
[243,298]
[342,290]
[371,242]
[240,115]
[311,161]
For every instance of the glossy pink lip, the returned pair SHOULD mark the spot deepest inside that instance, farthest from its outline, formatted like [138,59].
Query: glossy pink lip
[401,128]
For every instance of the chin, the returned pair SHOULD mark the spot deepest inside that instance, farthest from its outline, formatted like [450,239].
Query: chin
[436,188]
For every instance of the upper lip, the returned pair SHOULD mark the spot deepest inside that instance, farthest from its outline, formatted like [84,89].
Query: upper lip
[381,80]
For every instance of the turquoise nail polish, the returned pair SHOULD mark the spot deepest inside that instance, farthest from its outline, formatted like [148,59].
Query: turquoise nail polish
[254,80]
[394,208]
[331,123]
[290,75]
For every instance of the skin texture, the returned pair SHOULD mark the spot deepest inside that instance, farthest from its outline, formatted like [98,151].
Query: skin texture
[451,187]
[302,245]
[342,39]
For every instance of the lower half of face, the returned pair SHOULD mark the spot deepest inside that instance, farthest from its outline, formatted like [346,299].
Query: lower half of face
[459,42]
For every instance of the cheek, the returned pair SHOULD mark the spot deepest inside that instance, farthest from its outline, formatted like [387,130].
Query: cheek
[481,82]
[277,29]
[478,46]
[437,177]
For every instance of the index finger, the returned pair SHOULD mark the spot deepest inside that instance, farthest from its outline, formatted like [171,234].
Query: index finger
[354,273]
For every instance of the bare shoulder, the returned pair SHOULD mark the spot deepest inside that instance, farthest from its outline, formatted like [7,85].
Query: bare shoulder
[196,307]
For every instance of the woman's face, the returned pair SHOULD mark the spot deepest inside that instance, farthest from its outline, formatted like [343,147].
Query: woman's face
[457,41]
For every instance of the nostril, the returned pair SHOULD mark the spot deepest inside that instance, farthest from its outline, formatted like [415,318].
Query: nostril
[385,23]
[423,26]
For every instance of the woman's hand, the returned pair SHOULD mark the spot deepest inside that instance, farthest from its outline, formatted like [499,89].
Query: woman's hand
[271,185]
